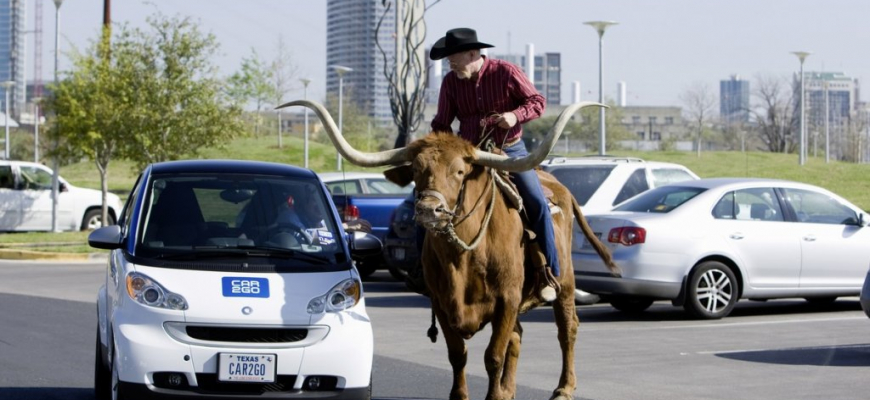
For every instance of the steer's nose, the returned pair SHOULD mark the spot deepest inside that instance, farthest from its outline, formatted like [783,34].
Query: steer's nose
[428,208]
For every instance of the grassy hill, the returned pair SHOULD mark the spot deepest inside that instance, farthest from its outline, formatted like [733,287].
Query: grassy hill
[848,180]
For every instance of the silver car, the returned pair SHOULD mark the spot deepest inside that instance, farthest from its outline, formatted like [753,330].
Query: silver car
[705,244]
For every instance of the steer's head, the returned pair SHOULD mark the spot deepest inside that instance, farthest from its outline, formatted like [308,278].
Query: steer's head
[438,163]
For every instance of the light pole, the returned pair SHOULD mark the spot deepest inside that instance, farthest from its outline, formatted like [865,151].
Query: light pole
[55,177]
[827,132]
[600,27]
[36,101]
[6,86]
[340,70]
[305,82]
[802,55]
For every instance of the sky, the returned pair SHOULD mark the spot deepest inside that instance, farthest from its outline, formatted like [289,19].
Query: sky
[659,48]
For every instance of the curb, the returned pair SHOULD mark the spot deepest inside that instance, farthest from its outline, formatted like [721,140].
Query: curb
[15,254]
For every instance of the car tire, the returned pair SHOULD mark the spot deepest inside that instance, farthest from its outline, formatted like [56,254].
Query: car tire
[102,373]
[94,219]
[712,291]
[367,268]
[632,305]
[397,273]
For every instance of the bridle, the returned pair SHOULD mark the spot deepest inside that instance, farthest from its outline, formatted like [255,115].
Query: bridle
[450,229]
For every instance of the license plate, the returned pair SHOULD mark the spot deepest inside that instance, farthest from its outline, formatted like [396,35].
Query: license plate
[399,253]
[258,368]
[586,244]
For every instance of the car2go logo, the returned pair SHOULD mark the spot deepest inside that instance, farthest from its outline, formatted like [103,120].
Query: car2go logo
[245,287]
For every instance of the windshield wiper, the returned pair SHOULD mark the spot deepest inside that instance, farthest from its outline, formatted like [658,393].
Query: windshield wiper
[274,251]
[212,251]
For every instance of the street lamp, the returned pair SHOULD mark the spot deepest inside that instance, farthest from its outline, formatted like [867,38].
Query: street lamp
[827,132]
[340,70]
[55,177]
[305,82]
[36,101]
[600,27]
[6,86]
[802,55]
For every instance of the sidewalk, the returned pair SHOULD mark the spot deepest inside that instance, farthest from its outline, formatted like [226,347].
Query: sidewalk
[19,254]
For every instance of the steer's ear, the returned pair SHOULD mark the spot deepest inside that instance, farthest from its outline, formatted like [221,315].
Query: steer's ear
[401,175]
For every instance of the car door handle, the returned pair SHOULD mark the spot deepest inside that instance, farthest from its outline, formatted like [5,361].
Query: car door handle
[736,236]
[810,238]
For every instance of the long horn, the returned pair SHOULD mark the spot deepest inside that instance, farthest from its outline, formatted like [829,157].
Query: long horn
[534,158]
[387,157]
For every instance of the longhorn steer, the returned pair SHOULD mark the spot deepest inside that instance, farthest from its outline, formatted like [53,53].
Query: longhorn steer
[474,253]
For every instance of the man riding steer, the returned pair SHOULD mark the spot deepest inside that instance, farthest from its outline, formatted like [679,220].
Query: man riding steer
[491,99]
[475,249]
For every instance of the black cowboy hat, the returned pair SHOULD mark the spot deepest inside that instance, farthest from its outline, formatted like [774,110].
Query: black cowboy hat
[456,40]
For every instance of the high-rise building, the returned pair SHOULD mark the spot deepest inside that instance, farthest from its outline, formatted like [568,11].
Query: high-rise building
[734,100]
[351,42]
[842,106]
[547,74]
[12,52]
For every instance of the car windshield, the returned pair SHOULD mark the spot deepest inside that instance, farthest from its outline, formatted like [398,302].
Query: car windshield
[236,215]
[660,200]
[582,180]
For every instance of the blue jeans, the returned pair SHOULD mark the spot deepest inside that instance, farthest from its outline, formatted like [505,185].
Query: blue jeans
[538,212]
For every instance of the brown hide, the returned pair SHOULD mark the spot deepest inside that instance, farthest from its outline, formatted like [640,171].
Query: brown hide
[485,285]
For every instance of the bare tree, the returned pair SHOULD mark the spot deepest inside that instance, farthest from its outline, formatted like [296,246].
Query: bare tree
[773,114]
[406,71]
[282,71]
[700,105]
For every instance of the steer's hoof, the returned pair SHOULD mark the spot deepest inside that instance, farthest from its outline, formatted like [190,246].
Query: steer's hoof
[561,394]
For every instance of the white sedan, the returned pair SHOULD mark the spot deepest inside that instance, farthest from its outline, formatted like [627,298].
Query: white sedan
[705,244]
[231,279]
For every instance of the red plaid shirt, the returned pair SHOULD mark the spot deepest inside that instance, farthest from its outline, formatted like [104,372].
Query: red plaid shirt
[500,87]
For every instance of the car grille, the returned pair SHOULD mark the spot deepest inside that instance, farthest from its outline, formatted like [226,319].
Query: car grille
[247,335]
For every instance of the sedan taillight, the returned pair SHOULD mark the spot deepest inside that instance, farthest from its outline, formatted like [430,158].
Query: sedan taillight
[627,236]
[351,213]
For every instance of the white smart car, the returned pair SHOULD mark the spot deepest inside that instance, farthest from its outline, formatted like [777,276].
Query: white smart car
[231,279]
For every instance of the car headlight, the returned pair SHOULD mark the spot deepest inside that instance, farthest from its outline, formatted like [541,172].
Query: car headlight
[341,297]
[145,290]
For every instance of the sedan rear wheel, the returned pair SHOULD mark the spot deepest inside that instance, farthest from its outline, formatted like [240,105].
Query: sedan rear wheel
[712,291]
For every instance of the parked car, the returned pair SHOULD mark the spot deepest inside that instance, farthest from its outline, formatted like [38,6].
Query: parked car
[369,197]
[26,202]
[705,244]
[217,286]
[865,295]
[598,183]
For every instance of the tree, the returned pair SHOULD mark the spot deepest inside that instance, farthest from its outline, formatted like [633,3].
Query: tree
[282,71]
[775,123]
[700,104]
[90,109]
[253,82]
[178,106]
[406,72]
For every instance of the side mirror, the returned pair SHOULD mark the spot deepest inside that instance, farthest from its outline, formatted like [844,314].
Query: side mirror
[861,220]
[362,244]
[107,238]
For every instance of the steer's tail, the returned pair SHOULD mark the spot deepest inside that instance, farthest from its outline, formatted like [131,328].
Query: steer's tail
[602,251]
